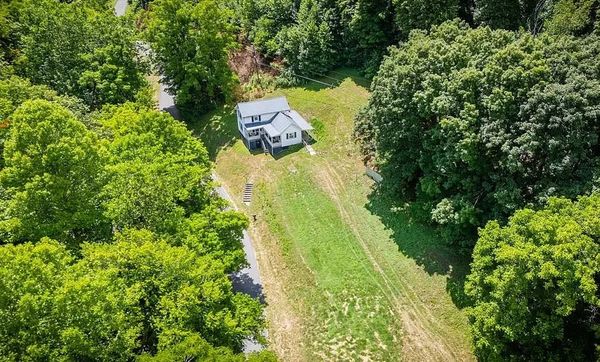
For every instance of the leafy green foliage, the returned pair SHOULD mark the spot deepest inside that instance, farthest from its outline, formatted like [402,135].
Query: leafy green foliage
[307,47]
[191,41]
[158,172]
[52,176]
[535,283]
[572,17]
[138,294]
[422,14]
[474,124]
[77,51]
[150,289]
[312,36]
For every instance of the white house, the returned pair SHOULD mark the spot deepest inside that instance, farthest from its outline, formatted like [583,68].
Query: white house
[270,124]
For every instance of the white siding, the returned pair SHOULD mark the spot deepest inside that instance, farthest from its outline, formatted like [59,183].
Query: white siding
[263,118]
[291,141]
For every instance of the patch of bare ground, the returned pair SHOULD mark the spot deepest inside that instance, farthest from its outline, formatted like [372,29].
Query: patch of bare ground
[286,329]
[246,61]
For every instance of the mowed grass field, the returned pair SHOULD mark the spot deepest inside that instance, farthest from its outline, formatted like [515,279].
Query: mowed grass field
[346,275]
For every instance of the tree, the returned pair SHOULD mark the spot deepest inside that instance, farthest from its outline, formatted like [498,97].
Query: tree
[500,14]
[52,177]
[191,41]
[76,51]
[158,172]
[178,293]
[50,313]
[306,47]
[158,178]
[422,14]
[535,284]
[118,300]
[473,124]
[14,91]
[572,17]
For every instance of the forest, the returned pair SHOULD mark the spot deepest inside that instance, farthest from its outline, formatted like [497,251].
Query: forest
[483,119]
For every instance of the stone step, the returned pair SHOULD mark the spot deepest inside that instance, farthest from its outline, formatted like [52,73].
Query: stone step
[247,195]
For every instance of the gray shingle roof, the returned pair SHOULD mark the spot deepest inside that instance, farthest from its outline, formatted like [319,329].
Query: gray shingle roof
[255,108]
[300,121]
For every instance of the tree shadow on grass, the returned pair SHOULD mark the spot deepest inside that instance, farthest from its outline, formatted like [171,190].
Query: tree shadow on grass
[217,129]
[423,244]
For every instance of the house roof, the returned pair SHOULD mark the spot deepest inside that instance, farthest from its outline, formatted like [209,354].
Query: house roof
[300,121]
[271,131]
[255,108]
[283,120]
[279,124]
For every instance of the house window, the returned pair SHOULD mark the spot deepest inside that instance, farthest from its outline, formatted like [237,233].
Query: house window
[276,139]
[255,118]
[253,133]
[290,135]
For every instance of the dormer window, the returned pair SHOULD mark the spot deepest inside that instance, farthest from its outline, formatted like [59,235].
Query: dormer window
[255,119]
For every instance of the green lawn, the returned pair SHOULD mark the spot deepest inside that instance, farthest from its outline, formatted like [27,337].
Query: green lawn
[346,277]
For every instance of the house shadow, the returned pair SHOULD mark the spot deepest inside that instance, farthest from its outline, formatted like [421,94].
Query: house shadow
[243,283]
[288,151]
[422,244]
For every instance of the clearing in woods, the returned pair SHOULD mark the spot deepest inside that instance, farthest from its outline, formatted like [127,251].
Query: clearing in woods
[346,275]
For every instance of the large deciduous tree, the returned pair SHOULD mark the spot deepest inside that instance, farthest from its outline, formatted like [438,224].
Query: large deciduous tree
[77,51]
[535,284]
[136,295]
[52,177]
[191,41]
[474,124]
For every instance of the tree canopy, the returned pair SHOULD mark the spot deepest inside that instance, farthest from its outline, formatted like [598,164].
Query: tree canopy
[535,283]
[476,123]
[191,41]
[52,176]
[77,51]
[136,295]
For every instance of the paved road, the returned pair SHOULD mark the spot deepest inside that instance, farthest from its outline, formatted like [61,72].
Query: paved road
[120,7]
[246,280]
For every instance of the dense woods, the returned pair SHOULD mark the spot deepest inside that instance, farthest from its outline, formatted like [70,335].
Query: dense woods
[115,244]
[470,125]
[476,123]
[484,119]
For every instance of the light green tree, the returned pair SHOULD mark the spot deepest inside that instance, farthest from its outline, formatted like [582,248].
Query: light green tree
[535,285]
[52,176]
[118,300]
[78,51]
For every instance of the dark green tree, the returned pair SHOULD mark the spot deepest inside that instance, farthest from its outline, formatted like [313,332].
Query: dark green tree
[422,14]
[474,124]
[307,46]
[191,41]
